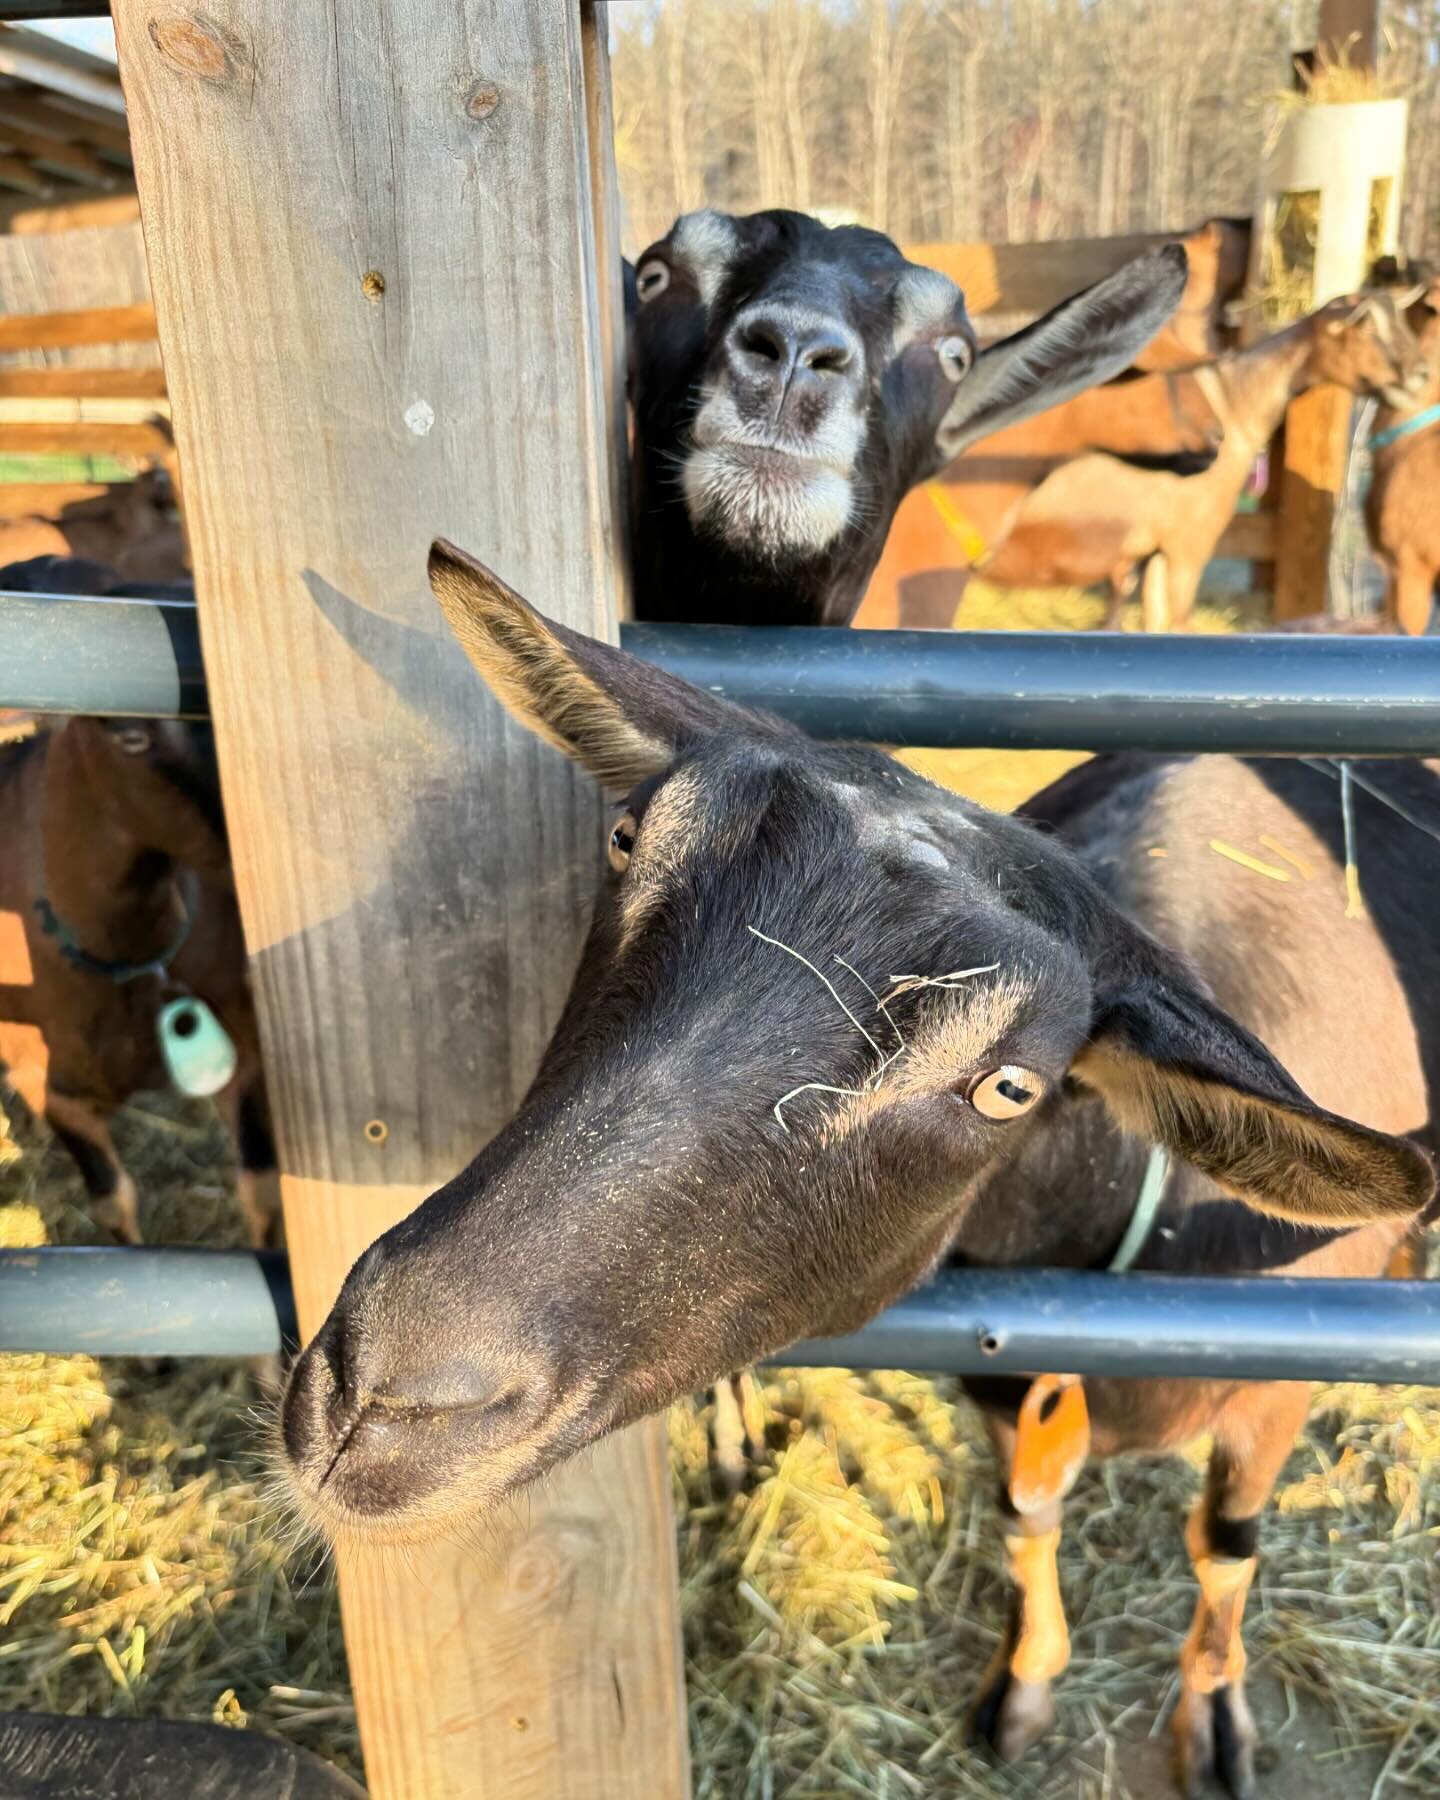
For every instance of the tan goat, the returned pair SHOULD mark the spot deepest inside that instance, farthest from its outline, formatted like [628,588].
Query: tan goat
[1100,520]
[1400,509]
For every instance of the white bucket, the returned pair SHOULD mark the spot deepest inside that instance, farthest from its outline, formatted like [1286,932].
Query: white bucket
[1339,153]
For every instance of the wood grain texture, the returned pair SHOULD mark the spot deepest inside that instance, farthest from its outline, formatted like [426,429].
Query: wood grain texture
[93,325]
[414,871]
[1317,431]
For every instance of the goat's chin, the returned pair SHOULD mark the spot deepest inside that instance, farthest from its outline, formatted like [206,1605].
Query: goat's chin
[766,503]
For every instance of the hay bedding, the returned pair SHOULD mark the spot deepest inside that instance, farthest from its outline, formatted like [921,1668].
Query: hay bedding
[837,1616]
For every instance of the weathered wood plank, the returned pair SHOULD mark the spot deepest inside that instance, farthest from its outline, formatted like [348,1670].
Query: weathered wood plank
[22,218]
[415,348]
[24,175]
[82,437]
[1031,278]
[82,384]
[1317,432]
[75,159]
[93,325]
[60,122]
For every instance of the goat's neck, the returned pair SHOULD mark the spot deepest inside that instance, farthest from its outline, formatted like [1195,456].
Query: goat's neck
[1429,395]
[1253,387]
[118,896]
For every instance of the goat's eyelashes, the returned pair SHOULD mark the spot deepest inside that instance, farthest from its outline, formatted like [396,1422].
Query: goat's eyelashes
[622,842]
[652,279]
[1004,1093]
[956,355]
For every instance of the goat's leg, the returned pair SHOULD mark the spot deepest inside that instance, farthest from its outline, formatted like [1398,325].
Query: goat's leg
[81,1127]
[1414,594]
[1155,594]
[1015,1707]
[1214,1731]
[739,1428]
[243,1107]
[1122,584]
[1182,588]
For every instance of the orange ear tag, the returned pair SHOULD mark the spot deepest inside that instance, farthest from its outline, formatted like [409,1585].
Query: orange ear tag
[1052,1440]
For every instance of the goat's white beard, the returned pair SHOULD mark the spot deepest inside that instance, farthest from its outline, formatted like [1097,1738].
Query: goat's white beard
[755,501]
[763,492]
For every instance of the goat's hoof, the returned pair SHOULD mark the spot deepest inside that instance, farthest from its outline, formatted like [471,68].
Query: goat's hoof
[1010,1715]
[1215,1736]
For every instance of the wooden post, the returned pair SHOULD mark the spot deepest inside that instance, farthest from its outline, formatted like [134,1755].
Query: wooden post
[1316,435]
[372,250]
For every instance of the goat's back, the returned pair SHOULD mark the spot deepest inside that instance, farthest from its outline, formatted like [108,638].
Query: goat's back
[1351,1005]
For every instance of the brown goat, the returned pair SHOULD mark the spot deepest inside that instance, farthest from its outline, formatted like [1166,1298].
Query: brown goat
[949,525]
[833,1024]
[1081,495]
[116,896]
[944,526]
[1400,509]
[1099,520]
[131,528]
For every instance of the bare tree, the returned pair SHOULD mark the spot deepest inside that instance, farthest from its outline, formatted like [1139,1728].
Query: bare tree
[981,119]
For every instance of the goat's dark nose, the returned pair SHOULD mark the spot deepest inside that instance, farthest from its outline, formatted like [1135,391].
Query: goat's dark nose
[362,1384]
[774,345]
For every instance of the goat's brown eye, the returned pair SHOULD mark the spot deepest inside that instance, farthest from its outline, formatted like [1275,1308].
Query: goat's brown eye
[956,356]
[134,740]
[1004,1093]
[652,279]
[622,842]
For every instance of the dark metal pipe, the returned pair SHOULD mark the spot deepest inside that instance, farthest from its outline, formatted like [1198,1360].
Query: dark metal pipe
[13,11]
[1018,690]
[1073,690]
[1251,1328]
[184,1302]
[160,1302]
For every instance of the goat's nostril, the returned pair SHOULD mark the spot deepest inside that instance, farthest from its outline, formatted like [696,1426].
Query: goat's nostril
[827,353]
[758,337]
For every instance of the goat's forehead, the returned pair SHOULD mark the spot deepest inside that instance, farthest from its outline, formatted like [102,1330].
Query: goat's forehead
[715,246]
[852,800]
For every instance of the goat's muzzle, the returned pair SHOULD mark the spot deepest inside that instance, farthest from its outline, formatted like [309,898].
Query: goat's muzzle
[386,1441]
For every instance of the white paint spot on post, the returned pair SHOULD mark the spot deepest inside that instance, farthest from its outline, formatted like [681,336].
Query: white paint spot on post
[419,417]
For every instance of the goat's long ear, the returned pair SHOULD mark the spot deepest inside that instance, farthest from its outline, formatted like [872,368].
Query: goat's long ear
[1174,1068]
[619,716]
[1086,340]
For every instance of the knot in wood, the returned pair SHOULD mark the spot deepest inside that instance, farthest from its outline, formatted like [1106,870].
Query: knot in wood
[196,46]
[484,98]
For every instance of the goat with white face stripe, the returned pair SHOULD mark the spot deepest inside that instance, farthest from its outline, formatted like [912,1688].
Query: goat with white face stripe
[791,382]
